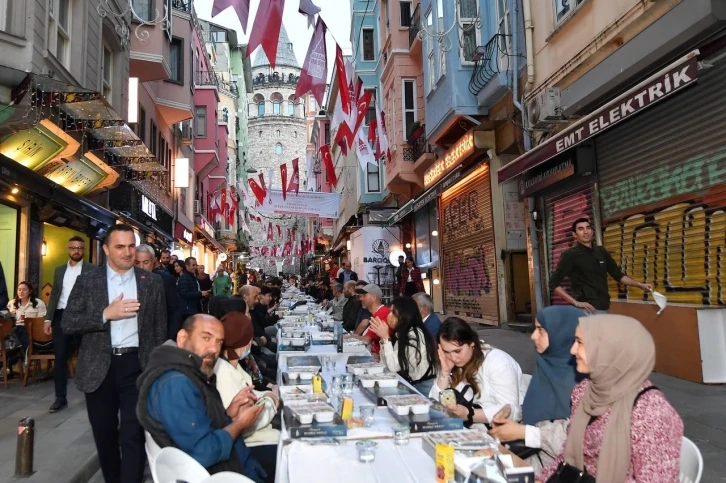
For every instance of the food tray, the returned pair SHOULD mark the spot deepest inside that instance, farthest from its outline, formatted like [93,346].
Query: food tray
[412,403]
[377,395]
[366,368]
[303,361]
[386,379]
[335,428]
[295,391]
[470,438]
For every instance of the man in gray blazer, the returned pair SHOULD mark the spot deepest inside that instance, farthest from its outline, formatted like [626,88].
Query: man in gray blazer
[121,313]
[63,345]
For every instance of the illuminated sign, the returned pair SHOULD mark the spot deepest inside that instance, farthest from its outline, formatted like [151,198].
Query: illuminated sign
[183,234]
[33,148]
[148,207]
[463,148]
[78,176]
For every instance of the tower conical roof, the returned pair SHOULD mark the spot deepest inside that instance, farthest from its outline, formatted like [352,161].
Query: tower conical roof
[285,54]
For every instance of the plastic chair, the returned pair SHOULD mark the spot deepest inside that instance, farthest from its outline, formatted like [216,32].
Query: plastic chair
[691,462]
[152,449]
[9,357]
[227,477]
[172,464]
[40,346]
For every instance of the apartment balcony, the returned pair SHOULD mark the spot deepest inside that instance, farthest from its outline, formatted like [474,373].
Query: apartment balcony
[401,169]
[421,151]
[182,5]
[187,132]
[492,63]
[206,79]
[414,41]
[149,57]
[173,101]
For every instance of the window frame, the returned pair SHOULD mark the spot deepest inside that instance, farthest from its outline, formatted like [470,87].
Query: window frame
[278,149]
[465,21]
[12,19]
[276,108]
[153,137]
[179,43]
[141,124]
[107,72]
[200,133]
[372,31]
[429,19]
[56,30]
[560,19]
[503,21]
[400,13]
[405,110]
[149,15]
[370,174]
[440,28]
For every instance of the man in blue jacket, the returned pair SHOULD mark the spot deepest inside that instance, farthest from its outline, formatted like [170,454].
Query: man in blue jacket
[180,407]
[426,309]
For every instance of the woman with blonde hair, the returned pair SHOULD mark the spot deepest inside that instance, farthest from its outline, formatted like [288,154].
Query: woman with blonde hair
[622,428]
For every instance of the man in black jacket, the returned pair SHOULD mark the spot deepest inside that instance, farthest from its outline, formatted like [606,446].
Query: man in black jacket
[145,259]
[351,308]
[180,407]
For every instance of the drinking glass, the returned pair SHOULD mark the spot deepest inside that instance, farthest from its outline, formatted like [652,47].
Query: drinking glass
[347,387]
[367,411]
[401,434]
[366,451]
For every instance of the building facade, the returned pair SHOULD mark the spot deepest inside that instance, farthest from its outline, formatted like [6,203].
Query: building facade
[626,148]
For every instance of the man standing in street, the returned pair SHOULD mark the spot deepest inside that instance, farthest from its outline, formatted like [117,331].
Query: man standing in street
[121,313]
[222,284]
[145,258]
[189,292]
[347,274]
[205,285]
[587,267]
[63,345]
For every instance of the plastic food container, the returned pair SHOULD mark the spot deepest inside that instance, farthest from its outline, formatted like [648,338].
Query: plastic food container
[402,405]
[306,376]
[366,368]
[297,342]
[386,379]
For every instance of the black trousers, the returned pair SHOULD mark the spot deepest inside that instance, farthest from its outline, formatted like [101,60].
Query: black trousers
[63,347]
[410,289]
[120,446]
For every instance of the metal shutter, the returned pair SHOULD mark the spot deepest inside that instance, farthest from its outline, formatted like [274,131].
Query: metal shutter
[663,194]
[469,259]
[562,207]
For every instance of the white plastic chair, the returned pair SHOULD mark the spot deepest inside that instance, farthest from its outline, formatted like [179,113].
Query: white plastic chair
[691,462]
[172,464]
[227,477]
[152,449]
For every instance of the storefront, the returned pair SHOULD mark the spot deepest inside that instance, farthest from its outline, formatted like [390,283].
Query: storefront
[184,240]
[152,222]
[654,186]
[206,249]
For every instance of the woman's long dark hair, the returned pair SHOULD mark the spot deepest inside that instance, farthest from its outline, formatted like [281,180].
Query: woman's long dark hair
[182,265]
[408,333]
[32,298]
[456,331]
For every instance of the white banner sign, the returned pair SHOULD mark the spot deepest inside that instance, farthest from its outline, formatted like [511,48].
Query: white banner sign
[324,205]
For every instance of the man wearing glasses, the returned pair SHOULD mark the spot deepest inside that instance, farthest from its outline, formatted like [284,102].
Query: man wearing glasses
[63,345]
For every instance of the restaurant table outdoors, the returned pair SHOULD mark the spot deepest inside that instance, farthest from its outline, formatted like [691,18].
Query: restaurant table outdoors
[334,458]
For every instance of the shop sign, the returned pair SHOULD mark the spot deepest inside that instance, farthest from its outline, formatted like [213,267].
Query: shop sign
[667,82]
[148,207]
[542,177]
[79,176]
[207,228]
[464,147]
[182,233]
[33,147]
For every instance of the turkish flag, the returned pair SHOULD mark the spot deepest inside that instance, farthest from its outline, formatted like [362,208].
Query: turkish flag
[344,134]
[266,29]
[343,90]
[269,232]
[283,177]
[258,191]
[363,104]
[329,168]
[262,182]
[241,7]
[372,131]
[234,207]
[314,74]
[295,178]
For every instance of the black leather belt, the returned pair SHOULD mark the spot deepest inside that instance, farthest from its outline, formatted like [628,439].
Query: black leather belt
[119,351]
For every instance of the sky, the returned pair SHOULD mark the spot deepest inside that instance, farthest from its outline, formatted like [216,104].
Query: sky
[335,14]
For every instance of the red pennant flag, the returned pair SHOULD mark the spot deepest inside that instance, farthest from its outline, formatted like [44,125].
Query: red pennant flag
[266,29]
[329,168]
[343,91]
[308,8]
[269,232]
[283,177]
[234,206]
[314,74]
[259,220]
[258,191]
[372,131]
[344,134]
[262,183]
[241,7]
[295,178]
[363,104]
[279,231]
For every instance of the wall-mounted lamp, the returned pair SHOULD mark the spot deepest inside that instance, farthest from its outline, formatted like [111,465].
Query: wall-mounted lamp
[347,245]
[133,113]
[15,190]
[436,281]
[434,233]
[44,248]
[408,245]
[181,173]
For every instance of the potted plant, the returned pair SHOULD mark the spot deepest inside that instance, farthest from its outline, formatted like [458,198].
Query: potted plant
[415,131]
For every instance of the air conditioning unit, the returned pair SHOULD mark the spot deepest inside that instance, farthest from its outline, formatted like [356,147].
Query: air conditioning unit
[545,110]
[197,207]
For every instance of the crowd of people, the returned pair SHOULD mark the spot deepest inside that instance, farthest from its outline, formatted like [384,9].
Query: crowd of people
[191,359]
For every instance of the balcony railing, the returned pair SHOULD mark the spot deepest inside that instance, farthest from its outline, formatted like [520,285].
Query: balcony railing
[182,5]
[416,146]
[275,78]
[229,87]
[206,78]
[415,26]
[489,61]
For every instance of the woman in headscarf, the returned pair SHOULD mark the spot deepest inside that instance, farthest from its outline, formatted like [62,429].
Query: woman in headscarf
[622,428]
[546,406]
[233,380]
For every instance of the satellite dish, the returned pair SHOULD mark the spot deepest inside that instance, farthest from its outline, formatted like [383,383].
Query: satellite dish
[393,257]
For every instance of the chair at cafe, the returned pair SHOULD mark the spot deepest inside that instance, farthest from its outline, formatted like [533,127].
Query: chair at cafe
[173,464]
[691,462]
[40,346]
[227,477]
[152,449]
[9,356]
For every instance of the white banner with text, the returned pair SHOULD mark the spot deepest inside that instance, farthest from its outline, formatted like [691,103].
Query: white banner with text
[324,205]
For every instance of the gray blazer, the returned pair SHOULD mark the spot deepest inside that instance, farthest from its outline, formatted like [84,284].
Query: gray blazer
[84,315]
[55,293]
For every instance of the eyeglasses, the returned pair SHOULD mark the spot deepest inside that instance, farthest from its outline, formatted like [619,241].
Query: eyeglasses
[76,249]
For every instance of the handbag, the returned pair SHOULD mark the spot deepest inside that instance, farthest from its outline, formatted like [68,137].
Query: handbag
[520,449]
[566,473]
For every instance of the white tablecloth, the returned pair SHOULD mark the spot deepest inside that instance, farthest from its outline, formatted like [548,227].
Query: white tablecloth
[302,463]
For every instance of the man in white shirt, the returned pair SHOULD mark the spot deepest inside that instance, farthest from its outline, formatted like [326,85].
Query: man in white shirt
[63,345]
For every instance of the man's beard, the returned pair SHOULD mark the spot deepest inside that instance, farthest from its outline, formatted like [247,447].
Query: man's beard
[76,258]
[207,366]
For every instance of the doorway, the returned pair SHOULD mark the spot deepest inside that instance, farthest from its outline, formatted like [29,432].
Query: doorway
[519,279]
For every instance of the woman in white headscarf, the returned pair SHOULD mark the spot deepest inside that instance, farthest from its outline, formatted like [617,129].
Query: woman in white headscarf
[622,428]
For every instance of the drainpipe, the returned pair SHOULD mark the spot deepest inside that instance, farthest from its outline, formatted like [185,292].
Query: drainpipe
[533,235]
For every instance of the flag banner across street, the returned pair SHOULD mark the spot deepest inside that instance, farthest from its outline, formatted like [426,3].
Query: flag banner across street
[324,205]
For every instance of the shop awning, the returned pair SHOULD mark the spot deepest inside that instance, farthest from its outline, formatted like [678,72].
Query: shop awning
[426,197]
[659,86]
